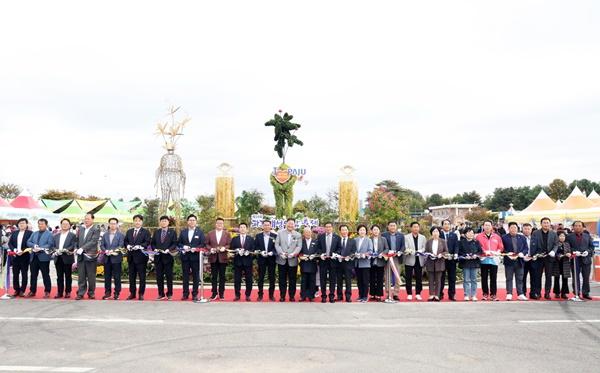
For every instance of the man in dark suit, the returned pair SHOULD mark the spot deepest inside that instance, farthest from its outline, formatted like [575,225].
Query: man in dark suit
[308,267]
[328,244]
[514,268]
[42,243]
[396,244]
[218,241]
[452,245]
[581,242]
[543,241]
[265,243]
[112,242]
[164,242]
[65,244]
[87,259]
[344,272]
[137,240]
[242,261]
[20,261]
[191,239]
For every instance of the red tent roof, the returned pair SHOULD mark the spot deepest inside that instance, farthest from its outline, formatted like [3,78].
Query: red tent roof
[25,202]
[3,203]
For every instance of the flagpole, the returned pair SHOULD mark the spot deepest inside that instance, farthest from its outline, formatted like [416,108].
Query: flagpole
[575,281]
[388,280]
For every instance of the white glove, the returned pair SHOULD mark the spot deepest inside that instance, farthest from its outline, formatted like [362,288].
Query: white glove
[521,255]
[455,256]
[128,247]
[552,254]
[186,247]
[79,251]
[585,253]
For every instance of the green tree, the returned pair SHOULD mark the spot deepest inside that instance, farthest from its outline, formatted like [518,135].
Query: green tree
[150,212]
[205,202]
[586,185]
[57,194]
[435,200]
[248,203]
[383,205]
[9,191]
[558,189]
[414,199]
[187,208]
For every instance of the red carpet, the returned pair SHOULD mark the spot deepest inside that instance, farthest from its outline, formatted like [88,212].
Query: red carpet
[152,293]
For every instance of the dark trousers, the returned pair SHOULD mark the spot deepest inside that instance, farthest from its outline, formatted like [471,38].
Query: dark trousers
[537,267]
[287,280]
[112,271]
[376,281]
[489,271]
[362,281]
[20,270]
[164,271]
[558,289]
[264,267]
[344,277]
[86,277]
[64,276]
[417,272]
[527,270]
[237,279]
[217,271]
[137,270]
[308,285]
[578,268]
[548,269]
[327,270]
[450,273]
[36,267]
[192,267]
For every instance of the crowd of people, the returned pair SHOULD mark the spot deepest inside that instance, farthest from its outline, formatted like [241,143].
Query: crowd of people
[328,261]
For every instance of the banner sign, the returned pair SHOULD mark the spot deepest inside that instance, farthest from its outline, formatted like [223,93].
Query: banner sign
[257,219]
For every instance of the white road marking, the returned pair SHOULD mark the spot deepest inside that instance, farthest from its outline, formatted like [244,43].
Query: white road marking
[556,321]
[88,320]
[30,368]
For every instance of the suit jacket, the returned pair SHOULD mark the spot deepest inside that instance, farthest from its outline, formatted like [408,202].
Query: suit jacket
[198,241]
[365,248]
[259,244]
[382,248]
[69,244]
[211,243]
[410,260]
[436,265]
[118,242]
[309,266]
[42,239]
[536,242]
[89,243]
[508,248]
[347,251]
[170,243]
[246,260]
[451,241]
[143,239]
[587,244]
[13,244]
[281,245]
[335,244]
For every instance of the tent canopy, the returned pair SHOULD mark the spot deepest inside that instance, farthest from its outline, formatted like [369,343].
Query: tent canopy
[540,203]
[25,201]
[56,205]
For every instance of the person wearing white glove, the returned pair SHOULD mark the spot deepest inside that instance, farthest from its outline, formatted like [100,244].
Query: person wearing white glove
[40,260]
[65,242]
[20,263]
[580,240]
[138,238]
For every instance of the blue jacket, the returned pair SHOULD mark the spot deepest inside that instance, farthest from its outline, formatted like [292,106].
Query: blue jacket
[399,243]
[508,248]
[118,242]
[451,242]
[44,240]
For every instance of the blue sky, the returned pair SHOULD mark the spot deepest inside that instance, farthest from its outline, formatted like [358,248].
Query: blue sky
[441,96]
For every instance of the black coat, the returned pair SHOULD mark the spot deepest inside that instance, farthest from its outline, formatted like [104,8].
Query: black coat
[169,243]
[242,260]
[198,241]
[565,263]
[143,239]
[12,244]
[309,266]
[469,247]
[259,245]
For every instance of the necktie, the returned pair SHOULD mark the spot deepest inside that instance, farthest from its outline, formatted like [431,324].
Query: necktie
[163,235]
[243,239]
[344,243]
[328,244]
[135,232]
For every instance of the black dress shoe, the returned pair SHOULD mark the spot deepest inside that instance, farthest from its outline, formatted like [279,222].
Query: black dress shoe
[214,297]
[46,295]
[248,299]
[452,298]
[272,298]
[302,299]
[15,294]
[106,296]
[323,300]
[396,298]
[348,300]
[141,297]
[79,297]
[259,298]
[292,299]
[116,297]
[282,299]
[237,297]
[130,297]
[547,296]
[30,295]
[22,294]
[587,296]
[58,296]
[332,300]
[185,297]
[91,297]
[194,299]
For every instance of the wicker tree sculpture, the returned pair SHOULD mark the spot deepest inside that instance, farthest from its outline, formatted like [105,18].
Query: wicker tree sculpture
[170,177]
[282,181]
